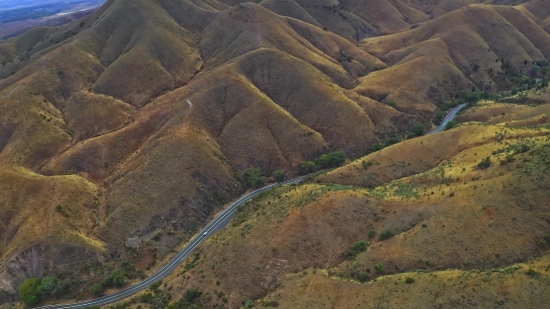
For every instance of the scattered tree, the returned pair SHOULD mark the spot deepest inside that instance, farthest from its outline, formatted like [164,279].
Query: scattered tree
[379,268]
[30,291]
[356,248]
[387,234]
[308,167]
[192,294]
[279,175]
[254,177]
[451,124]
[484,164]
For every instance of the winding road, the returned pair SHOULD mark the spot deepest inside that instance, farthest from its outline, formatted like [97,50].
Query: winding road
[214,226]
[450,116]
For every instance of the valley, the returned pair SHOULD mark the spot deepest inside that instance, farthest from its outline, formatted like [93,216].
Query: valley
[123,133]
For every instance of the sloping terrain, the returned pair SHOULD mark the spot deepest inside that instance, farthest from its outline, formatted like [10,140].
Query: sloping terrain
[124,132]
[425,215]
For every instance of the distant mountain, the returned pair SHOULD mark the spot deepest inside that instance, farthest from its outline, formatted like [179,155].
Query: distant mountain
[12,10]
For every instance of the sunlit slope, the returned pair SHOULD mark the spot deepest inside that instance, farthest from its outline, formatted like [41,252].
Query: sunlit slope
[445,210]
[477,46]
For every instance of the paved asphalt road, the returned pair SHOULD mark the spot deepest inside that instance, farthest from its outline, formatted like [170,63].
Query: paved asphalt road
[214,226]
[450,116]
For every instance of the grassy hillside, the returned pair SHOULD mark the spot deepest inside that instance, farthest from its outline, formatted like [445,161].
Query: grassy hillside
[128,129]
[422,219]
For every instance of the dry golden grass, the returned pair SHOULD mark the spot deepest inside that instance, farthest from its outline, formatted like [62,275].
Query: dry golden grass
[509,287]
[464,45]
[508,114]
[448,214]
[140,118]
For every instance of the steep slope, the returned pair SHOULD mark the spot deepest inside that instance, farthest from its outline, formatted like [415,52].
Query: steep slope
[128,129]
[476,45]
[449,214]
[91,104]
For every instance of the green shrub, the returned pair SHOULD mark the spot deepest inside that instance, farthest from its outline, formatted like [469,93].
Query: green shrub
[356,248]
[52,286]
[379,268]
[438,117]
[96,289]
[279,175]
[451,124]
[367,164]
[249,304]
[308,167]
[393,104]
[192,294]
[253,177]
[376,147]
[484,164]
[30,291]
[115,279]
[409,280]
[371,233]
[154,287]
[417,130]
[387,234]
[146,298]
[532,273]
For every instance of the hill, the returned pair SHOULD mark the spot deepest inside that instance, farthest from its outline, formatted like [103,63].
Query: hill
[421,219]
[128,129]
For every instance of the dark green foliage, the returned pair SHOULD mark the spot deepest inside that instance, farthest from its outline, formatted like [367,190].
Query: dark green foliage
[115,279]
[409,280]
[325,161]
[393,104]
[356,248]
[532,273]
[253,177]
[345,56]
[333,159]
[387,234]
[520,148]
[451,124]
[96,289]
[192,294]
[484,164]
[154,287]
[52,286]
[392,141]
[128,269]
[376,147]
[279,175]
[308,167]
[30,291]
[367,164]
[379,268]
[146,298]
[371,233]
[417,130]
[249,304]
[438,117]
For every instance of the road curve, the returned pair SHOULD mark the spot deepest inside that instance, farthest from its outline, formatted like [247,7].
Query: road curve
[215,225]
[450,116]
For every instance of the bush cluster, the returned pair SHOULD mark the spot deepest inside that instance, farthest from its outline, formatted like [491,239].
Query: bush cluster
[32,289]
[329,160]
[356,248]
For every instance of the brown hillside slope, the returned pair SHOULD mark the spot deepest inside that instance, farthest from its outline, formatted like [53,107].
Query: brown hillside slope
[140,120]
[510,286]
[493,218]
[466,45]
[79,109]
